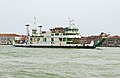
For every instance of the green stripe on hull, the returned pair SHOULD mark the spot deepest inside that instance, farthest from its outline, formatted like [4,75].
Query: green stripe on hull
[100,42]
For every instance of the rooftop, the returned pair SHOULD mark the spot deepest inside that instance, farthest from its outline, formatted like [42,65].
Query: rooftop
[4,35]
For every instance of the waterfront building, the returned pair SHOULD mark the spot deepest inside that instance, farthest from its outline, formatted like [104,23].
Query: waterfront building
[112,41]
[7,38]
[84,40]
[95,38]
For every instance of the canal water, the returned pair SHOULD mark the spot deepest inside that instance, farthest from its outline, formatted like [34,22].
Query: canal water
[103,62]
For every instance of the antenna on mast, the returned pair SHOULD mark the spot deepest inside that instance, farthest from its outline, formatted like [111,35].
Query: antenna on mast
[35,21]
[71,22]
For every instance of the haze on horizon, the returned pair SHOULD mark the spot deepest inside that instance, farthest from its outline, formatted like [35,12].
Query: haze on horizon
[91,16]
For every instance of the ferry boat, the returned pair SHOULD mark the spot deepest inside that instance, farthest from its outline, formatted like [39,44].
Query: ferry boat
[58,37]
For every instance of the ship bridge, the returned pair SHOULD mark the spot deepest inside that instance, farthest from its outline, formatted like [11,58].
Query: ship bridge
[71,31]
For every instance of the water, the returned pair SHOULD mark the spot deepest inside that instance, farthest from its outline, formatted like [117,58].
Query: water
[59,63]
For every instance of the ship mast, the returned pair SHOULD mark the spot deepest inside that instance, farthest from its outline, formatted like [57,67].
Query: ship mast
[35,21]
[71,22]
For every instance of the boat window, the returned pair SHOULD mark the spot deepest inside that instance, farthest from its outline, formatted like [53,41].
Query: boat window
[69,43]
[52,39]
[64,34]
[52,34]
[57,34]
[52,42]
[30,39]
[38,39]
[69,39]
[60,34]
[44,39]
[64,39]
[60,39]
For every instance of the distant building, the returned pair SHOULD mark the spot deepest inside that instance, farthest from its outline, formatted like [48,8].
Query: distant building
[112,41]
[95,38]
[84,40]
[7,38]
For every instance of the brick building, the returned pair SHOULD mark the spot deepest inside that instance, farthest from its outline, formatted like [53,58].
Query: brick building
[112,41]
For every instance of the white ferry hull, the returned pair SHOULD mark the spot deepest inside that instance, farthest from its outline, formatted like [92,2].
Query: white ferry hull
[48,46]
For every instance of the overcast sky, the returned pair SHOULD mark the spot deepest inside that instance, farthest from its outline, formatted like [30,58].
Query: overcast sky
[91,16]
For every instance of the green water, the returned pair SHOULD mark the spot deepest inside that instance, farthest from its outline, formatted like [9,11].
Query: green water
[59,63]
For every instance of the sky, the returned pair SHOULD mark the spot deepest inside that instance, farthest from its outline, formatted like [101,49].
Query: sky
[91,16]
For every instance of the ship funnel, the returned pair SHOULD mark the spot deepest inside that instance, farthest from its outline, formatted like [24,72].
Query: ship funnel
[28,35]
[27,29]
[40,30]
